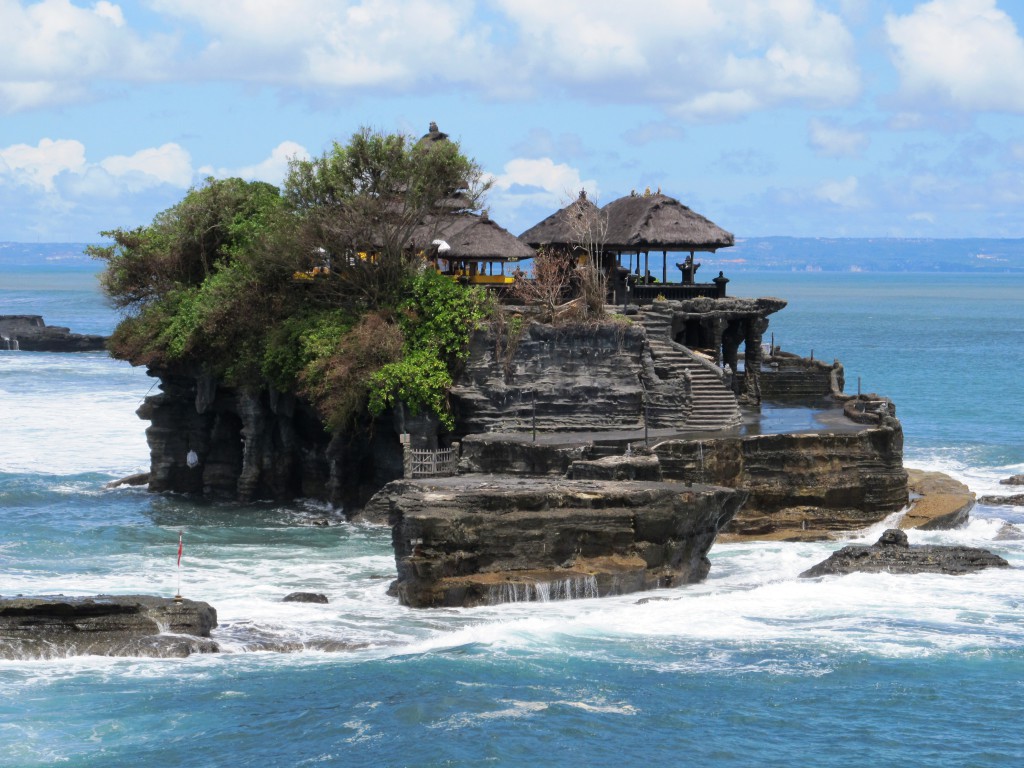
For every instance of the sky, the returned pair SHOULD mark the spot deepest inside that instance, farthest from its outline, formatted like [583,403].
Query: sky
[812,118]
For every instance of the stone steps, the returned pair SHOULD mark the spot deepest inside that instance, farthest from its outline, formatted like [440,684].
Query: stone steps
[712,405]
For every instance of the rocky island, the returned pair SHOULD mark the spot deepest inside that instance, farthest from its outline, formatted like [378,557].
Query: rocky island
[587,428]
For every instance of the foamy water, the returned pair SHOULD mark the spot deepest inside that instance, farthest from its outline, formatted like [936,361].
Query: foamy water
[916,670]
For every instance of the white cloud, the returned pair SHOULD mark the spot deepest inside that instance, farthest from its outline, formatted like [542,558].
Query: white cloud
[272,169]
[705,60]
[57,169]
[54,51]
[540,181]
[36,167]
[365,43]
[833,141]
[964,53]
[843,193]
[167,164]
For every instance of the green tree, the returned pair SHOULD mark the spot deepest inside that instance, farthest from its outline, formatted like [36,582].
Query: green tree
[372,203]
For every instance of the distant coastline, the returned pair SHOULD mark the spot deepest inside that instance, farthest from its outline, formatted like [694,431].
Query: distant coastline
[750,254]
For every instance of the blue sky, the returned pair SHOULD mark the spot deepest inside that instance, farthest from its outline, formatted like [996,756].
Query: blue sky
[860,118]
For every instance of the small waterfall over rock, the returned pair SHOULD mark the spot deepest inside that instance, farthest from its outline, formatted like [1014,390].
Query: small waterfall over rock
[9,344]
[572,588]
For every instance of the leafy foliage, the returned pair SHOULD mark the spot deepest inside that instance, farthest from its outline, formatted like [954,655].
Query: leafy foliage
[209,286]
[437,320]
[364,203]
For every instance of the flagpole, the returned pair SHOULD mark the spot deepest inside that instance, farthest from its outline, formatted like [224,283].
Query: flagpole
[177,597]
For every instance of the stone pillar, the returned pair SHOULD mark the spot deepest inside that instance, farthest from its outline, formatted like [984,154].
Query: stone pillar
[756,327]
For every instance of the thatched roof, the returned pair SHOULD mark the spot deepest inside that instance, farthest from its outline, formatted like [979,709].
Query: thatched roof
[660,223]
[432,136]
[473,237]
[565,227]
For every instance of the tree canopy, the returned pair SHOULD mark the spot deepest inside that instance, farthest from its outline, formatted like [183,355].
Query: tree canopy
[212,284]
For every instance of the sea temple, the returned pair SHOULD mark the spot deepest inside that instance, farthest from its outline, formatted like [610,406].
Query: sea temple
[615,414]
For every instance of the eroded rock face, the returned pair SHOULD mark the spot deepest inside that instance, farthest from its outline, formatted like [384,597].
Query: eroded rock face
[892,553]
[942,502]
[483,539]
[218,442]
[564,379]
[800,485]
[125,625]
[30,333]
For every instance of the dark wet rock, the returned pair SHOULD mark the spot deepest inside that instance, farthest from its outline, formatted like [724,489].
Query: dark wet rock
[305,597]
[1015,500]
[142,478]
[30,334]
[121,625]
[1013,480]
[213,440]
[1009,532]
[892,553]
[482,539]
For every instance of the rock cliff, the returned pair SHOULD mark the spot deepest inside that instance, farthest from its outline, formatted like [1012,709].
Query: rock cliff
[219,442]
[481,539]
[802,485]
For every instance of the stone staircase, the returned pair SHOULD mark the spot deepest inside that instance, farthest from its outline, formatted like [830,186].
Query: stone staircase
[711,406]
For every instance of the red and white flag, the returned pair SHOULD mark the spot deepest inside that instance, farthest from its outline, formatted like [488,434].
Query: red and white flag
[180,548]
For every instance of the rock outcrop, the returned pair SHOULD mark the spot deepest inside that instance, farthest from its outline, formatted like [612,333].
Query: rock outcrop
[220,442]
[1013,500]
[305,597]
[29,333]
[892,553]
[801,486]
[125,625]
[938,502]
[560,379]
[1012,480]
[484,539]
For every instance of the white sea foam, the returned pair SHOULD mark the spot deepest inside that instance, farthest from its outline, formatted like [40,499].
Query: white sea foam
[72,413]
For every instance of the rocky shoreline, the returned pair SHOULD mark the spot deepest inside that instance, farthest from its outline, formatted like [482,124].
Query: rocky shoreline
[29,333]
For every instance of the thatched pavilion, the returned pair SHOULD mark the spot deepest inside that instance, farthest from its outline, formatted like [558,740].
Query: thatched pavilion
[579,225]
[471,246]
[639,224]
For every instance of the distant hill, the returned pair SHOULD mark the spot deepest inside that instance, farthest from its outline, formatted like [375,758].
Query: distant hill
[813,254]
[751,254]
[47,255]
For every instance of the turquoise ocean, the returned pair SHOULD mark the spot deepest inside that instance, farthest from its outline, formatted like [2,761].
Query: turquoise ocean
[751,667]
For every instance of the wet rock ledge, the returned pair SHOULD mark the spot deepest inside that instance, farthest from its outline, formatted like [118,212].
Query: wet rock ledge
[484,539]
[29,333]
[123,625]
[892,553]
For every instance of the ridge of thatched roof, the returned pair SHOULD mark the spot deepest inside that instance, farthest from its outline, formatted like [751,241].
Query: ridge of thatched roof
[565,227]
[431,137]
[659,222]
[473,236]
